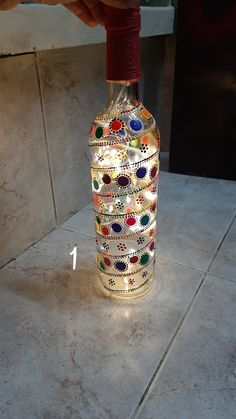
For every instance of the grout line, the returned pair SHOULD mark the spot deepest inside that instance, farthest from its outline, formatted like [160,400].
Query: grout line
[76,232]
[220,244]
[222,277]
[27,248]
[46,136]
[180,264]
[169,346]
[157,370]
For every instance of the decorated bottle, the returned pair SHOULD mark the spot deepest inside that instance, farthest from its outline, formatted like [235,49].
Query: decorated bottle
[124,148]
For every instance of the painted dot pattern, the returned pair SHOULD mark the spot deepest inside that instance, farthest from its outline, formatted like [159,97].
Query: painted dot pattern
[124,170]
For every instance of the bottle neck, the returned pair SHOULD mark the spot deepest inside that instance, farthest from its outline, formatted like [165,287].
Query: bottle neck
[122,96]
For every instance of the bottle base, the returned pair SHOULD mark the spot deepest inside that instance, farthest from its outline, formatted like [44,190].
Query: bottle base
[129,293]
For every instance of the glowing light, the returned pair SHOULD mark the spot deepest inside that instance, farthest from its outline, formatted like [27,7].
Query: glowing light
[124,173]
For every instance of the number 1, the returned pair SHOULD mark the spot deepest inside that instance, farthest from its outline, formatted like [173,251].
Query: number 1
[74,254]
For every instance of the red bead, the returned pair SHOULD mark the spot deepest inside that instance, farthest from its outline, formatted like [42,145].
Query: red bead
[107,261]
[154,171]
[116,125]
[130,221]
[105,231]
[134,259]
[153,207]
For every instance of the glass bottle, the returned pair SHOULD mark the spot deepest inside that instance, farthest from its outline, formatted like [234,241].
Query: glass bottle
[124,144]
[124,147]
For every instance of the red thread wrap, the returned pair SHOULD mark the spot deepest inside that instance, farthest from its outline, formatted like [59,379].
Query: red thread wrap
[123,44]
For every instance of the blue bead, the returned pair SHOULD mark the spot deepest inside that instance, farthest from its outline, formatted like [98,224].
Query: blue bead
[141,172]
[145,220]
[121,132]
[116,227]
[136,124]
[121,266]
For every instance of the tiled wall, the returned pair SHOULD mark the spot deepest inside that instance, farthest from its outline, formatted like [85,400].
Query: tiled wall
[47,103]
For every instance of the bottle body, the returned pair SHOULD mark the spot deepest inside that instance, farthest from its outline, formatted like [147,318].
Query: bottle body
[124,151]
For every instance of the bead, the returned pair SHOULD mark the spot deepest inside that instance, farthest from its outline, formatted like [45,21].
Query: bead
[106,179]
[141,172]
[145,113]
[134,259]
[123,181]
[116,227]
[153,207]
[131,221]
[153,172]
[99,132]
[134,143]
[91,132]
[120,266]
[102,266]
[144,259]
[107,262]
[152,246]
[136,124]
[95,184]
[122,132]
[144,220]
[116,126]
[105,231]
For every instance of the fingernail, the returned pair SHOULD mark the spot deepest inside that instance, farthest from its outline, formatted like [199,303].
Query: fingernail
[92,23]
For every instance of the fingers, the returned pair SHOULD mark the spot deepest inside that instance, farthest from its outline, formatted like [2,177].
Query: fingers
[91,12]
[81,10]
[122,4]
[96,9]
[8,4]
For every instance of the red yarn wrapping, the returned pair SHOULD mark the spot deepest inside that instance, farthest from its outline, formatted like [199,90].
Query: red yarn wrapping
[123,44]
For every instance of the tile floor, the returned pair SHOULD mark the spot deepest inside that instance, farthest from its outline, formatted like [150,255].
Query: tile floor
[67,352]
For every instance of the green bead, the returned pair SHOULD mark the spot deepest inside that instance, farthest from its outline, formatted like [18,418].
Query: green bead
[95,184]
[98,219]
[99,132]
[102,266]
[134,143]
[144,259]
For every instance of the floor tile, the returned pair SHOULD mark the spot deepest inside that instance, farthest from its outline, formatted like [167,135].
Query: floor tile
[198,379]
[68,352]
[194,214]
[225,262]
[26,203]
[82,222]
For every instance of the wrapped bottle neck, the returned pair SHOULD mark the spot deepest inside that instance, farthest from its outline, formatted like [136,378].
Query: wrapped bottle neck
[123,44]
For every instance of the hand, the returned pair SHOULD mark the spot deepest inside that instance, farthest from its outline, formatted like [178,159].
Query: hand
[9,4]
[91,12]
